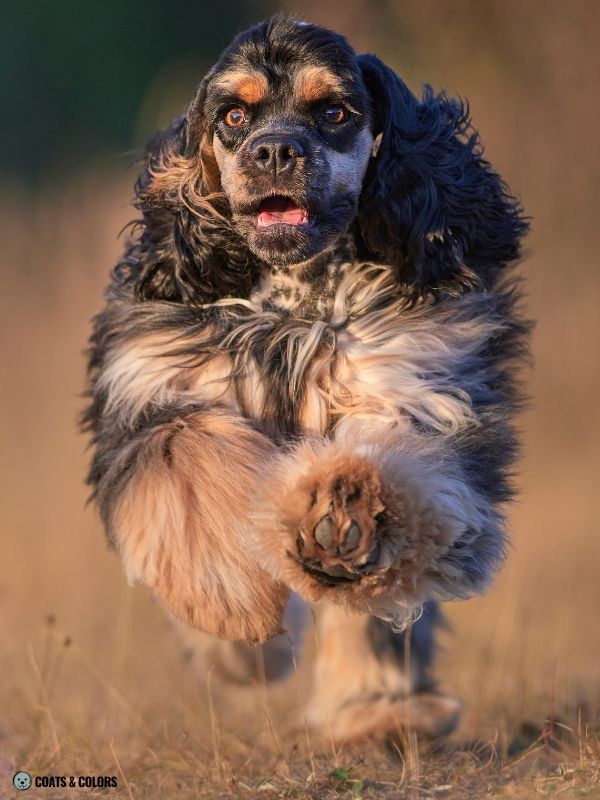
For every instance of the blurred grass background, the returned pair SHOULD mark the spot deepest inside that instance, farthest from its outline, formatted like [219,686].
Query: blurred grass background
[91,675]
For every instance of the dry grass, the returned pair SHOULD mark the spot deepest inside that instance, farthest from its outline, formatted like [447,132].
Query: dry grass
[101,687]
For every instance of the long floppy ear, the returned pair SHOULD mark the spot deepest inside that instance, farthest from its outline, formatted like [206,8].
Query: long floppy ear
[185,248]
[431,206]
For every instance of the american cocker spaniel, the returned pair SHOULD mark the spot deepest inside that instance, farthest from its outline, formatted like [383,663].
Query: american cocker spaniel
[305,376]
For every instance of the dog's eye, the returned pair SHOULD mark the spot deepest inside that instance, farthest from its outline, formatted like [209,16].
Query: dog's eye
[335,115]
[234,117]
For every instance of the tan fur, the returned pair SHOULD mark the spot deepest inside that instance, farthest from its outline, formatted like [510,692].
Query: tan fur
[210,168]
[193,178]
[249,86]
[429,714]
[173,172]
[216,519]
[426,508]
[360,364]
[368,375]
[316,83]
[399,370]
[179,518]
[347,491]
[359,692]
[142,372]
[237,662]
[243,663]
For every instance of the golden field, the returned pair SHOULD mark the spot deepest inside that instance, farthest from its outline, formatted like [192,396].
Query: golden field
[92,677]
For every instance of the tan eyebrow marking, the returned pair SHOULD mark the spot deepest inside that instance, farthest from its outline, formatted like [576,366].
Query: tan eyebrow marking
[316,83]
[251,87]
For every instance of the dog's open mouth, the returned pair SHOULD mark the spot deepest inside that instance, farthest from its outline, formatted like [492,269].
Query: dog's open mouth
[279,210]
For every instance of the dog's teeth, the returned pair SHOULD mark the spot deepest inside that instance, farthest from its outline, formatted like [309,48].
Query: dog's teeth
[324,532]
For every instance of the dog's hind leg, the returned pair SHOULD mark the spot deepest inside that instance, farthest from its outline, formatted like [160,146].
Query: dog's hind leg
[244,664]
[371,681]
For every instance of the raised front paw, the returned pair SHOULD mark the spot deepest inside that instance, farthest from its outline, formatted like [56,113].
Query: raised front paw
[336,540]
[319,524]
[353,528]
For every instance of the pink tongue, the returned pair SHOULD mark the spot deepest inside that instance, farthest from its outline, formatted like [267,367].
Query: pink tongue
[277,210]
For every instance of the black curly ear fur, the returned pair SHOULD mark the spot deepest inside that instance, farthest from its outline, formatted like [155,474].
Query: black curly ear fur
[431,205]
[184,248]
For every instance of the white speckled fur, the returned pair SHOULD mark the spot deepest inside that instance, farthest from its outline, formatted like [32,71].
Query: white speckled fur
[362,362]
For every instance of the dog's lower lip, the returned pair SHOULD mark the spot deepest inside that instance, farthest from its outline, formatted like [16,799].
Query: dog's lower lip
[280,210]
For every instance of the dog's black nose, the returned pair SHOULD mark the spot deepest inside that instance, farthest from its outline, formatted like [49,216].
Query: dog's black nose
[276,154]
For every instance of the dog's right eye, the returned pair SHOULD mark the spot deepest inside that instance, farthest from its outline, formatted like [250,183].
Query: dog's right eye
[335,115]
[234,117]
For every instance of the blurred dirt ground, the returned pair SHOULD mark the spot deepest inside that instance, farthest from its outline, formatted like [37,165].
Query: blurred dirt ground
[92,677]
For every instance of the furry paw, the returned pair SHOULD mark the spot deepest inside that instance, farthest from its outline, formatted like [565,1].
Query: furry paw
[428,714]
[336,539]
[321,524]
[363,529]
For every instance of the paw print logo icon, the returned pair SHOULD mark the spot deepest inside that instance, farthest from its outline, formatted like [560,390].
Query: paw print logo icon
[22,781]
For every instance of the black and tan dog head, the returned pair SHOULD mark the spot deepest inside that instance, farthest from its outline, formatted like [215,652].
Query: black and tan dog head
[292,136]
[291,141]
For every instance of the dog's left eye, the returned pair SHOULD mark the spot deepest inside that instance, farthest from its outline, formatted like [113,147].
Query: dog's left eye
[335,115]
[234,117]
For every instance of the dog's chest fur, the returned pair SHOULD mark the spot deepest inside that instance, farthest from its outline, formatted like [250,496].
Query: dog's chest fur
[310,355]
[301,295]
[341,348]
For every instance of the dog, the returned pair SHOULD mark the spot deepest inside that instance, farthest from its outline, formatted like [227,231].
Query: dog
[305,377]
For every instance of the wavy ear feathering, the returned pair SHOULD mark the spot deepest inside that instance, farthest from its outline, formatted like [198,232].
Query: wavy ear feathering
[184,247]
[431,205]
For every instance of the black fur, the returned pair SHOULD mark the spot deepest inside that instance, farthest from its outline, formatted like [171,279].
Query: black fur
[431,207]
[178,252]
[420,637]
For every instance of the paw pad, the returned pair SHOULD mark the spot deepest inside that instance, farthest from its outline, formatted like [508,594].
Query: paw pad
[337,537]
[324,532]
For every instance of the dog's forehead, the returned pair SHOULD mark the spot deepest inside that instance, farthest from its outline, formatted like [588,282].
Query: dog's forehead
[302,61]
[303,82]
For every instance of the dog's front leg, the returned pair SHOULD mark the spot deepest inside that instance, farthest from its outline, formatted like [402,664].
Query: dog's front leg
[377,518]
[175,501]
